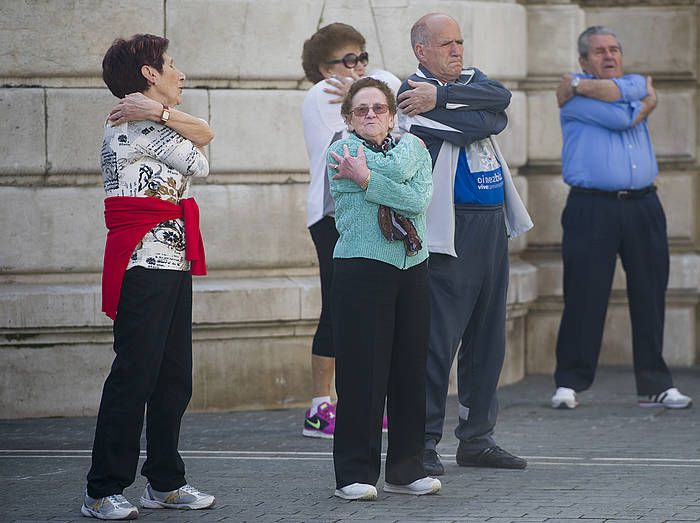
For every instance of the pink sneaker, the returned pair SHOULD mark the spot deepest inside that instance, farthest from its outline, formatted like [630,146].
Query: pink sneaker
[321,424]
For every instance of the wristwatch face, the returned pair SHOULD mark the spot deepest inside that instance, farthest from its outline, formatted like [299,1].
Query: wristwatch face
[165,115]
[575,81]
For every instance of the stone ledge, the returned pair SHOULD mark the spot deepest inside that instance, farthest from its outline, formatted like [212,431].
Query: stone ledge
[684,276]
[29,308]
[616,349]
[248,372]
[522,286]
[251,343]
[32,306]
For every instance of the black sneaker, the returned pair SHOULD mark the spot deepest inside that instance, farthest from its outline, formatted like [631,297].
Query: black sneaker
[431,463]
[492,457]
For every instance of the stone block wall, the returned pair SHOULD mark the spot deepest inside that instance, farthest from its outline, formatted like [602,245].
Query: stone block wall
[255,313]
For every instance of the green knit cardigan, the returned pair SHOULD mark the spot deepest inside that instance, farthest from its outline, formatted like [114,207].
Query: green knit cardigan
[401,179]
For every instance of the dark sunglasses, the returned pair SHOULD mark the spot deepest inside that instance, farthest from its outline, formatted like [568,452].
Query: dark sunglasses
[363,110]
[350,60]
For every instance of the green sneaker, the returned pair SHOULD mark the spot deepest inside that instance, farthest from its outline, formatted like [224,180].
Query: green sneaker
[186,497]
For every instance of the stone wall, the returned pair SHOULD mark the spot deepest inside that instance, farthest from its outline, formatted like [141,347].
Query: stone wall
[255,313]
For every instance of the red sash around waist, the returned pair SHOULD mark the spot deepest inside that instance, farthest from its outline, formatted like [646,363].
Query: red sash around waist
[128,219]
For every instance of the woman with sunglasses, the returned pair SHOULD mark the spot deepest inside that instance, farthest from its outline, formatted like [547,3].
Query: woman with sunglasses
[380,300]
[333,58]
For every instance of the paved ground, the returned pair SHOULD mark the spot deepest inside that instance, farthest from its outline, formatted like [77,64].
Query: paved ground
[608,460]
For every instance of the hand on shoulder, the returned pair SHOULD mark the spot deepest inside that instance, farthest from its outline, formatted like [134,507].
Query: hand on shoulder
[564,90]
[421,97]
[134,107]
[338,86]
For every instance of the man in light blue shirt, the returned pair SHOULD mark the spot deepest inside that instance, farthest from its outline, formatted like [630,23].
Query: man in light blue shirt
[612,208]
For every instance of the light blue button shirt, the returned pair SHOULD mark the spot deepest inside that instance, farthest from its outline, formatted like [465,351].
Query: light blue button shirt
[601,148]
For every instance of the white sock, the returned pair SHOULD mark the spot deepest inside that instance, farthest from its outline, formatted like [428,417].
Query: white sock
[315,402]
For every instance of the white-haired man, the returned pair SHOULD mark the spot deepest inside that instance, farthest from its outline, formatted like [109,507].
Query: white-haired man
[455,111]
[612,209]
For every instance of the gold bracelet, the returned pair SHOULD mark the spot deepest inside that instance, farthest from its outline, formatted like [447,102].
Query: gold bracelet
[365,184]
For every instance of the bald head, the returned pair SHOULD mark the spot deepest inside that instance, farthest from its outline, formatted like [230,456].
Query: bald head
[420,32]
[438,45]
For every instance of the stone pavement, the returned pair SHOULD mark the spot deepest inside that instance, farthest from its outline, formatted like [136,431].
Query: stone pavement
[606,461]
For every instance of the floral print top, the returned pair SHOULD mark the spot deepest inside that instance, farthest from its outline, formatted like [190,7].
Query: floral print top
[147,159]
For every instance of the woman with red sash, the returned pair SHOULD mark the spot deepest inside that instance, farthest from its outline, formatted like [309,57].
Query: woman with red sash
[149,155]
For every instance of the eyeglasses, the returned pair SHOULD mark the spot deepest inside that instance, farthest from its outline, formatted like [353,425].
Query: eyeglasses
[363,110]
[350,60]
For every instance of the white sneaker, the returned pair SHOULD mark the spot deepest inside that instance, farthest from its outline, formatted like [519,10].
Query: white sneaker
[109,507]
[186,497]
[419,487]
[359,491]
[671,399]
[564,398]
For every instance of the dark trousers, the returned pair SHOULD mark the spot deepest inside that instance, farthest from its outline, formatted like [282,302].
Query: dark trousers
[324,236]
[152,369]
[468,311]
[596,229]
[381,316]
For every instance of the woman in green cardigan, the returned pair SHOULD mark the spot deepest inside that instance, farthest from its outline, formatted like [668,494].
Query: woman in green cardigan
[380,301]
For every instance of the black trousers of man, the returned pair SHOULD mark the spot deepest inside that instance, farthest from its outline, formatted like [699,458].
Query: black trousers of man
[597,227]
[152,369]
[381,318]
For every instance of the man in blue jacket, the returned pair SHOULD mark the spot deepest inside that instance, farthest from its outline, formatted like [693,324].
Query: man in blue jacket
[612,208]
[455,111]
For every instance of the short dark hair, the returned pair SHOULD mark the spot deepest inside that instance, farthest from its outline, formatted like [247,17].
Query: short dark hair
[584,38]
[323,43]
[121,66]
[363,83]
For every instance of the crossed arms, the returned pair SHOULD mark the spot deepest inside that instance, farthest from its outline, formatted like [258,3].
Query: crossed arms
[460,113]
[136,106]
[402,181]
[615,104]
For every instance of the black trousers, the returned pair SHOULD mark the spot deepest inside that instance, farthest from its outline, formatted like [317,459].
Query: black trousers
[381,318]
[152,369]
[324,236]
[596,229]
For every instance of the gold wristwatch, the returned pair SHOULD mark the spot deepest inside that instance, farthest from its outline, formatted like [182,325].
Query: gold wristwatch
[165,115]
